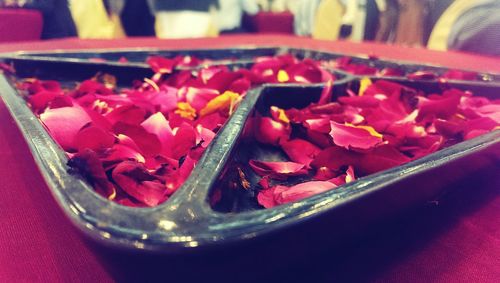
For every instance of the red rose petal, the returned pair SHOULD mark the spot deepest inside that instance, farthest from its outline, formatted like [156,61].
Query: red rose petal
[460,75]
[336,157]
[321,125]
[198,97]
[283,194]
[365,101]
[300,151]
[353,137]
[120,152]
[148,143]
[221,81]
[440,106]
[422,75]
[277,170]
[158,125]
[129,114]
[161,64]
[184,140]
[136,181]
[94,138]
[40,100]
[87,163]
[326,93]
[268,131]
[305,72]
[381,158]
[344,178]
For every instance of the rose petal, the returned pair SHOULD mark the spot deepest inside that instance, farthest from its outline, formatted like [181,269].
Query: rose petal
[268,131]
[277,170]
[129,114]
[64,123]
[94,138]
[148,143]
[136,181]
[197,97]
[326,93]
[283,194]
[87,164]
[335,157]
[161,64]
[422,75]
[158,125]
[184,140]
[223,102]
[221,81]
[300,151]
[460,75]
[40,100]
[344,178]
[353,137]
[379,159]
[441,106]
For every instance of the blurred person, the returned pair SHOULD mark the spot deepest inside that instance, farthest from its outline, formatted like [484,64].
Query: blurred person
[410,29]
[435,8]
[137,19]
[57,20]
[230,12]
[285,5]
[373,8]
[305,17]
[472,26]
[184,19]
[264,5]
[328,20]
[388,21]
[353,20]
[97,18]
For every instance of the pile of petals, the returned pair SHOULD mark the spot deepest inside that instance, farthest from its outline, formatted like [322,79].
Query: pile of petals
[382,126]
[137,146]
[346,64]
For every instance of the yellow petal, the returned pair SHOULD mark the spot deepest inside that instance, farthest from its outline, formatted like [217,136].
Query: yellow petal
[224,101]
[363,85]
[152,84]
[112,196]
[348,178]
[370,129]
[281,115]
[185,110]
[283,76]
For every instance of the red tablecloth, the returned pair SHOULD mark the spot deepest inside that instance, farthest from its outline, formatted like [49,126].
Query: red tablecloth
[457,240]
[20,25]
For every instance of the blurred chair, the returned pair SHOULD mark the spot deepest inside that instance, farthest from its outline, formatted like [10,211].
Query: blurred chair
[20,25]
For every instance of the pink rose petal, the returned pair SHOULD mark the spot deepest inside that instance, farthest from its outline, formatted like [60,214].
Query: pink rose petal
[64,123]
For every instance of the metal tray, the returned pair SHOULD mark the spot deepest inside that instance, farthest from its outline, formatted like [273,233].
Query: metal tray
[187,222]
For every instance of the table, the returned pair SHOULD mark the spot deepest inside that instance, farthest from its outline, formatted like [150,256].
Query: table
[454,240]
[20,25]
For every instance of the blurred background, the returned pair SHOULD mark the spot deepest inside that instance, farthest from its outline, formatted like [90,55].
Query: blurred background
[472,26]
